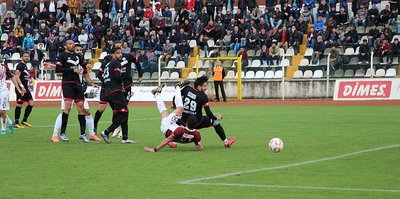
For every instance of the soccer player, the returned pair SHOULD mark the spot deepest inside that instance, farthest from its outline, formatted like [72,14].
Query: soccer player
[113,94]
[126,62]
[88,115]
[172,131]
[194,99]
[4,98]
[22,77]
[72,66]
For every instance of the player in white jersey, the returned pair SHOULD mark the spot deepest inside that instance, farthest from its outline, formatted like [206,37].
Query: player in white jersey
[5,97]
[88,115]
[168,120]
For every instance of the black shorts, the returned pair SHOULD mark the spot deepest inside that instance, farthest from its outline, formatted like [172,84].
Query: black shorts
[102,97]
[127,94]
[23,98]
[73,92]
[204,122]
[117,101]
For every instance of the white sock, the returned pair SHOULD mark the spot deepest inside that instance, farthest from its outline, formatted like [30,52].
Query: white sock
[226,141]
[178,97]
[3,124]
[160,104]
[9,121]
[90,124]
[57,125]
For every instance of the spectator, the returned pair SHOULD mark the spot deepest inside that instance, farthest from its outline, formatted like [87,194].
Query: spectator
[106,21]
[144,25]
[8,24]
[82,7]
[142,59]
[274,53]
[125,48]
[373,15]
[73,8]
[36,57]
[361,16]
[275,20]
[92,42]
[152,62]
[319,49]
[323,10]
[342,17]
[319,24]
[334,59]
[395,50]
[202,44]
[52,7]
[302,26]
[385,14]
[168,50]
[83,39]
[383,50]
[63,5]
[183,52]
[245,58]
[52,48]
[5,52]
[114,8]
[373,34]
[125,7]
[226,41]
[351,37]
[295,39]
[307,15]
[28,42]
[219,75]
[364,52]
[60,16]
[264,54]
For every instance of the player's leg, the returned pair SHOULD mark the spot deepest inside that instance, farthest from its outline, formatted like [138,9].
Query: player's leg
[160,103]
[17,112]
[68,93]
[57,127]
[3,121]
[28,109]
[81,119]
[178,101]
[118,104]
[4,106]
[206,122]
[89,121]
[101,108]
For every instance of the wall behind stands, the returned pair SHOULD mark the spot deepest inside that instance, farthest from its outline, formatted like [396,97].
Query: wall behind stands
[271,89]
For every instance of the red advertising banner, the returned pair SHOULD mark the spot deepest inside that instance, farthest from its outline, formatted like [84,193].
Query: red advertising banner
[371,89]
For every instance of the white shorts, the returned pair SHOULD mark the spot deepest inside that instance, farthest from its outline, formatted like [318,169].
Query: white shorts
[169,122]
[85,104]
[5,100]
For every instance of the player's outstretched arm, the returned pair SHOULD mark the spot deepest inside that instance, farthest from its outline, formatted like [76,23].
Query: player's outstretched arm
[199,146]
[161,145]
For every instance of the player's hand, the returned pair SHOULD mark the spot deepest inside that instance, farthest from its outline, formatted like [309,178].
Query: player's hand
[148,149]
[23,90]
[96,86]
[140,79]
[219,117]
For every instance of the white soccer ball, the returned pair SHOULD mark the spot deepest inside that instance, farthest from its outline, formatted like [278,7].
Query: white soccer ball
[275,145]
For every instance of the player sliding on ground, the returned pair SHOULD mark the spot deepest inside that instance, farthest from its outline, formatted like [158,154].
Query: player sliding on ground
[172,131]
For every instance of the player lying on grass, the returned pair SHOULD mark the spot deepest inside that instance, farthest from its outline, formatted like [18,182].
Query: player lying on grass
[5,98]
[172,131]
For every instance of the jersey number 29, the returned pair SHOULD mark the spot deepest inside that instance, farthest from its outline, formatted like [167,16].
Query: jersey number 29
[190,104]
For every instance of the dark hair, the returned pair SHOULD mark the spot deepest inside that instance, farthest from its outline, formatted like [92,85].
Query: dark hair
[25,52]
[78,45]
[192,122]
[113,50]
[200,81]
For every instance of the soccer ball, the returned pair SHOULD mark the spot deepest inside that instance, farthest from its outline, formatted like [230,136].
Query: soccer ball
[275,145]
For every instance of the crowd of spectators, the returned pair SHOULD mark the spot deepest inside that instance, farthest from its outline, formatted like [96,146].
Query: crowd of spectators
[157,30]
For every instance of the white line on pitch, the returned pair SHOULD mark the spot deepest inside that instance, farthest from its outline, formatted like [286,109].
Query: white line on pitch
[298,187]
[109,122]
[289,165]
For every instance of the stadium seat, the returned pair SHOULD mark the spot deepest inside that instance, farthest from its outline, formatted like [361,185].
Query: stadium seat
[281,51]
[249,75]
[360,30]
[290,52]
[102,55]
[47,76]
[92,75]
[251,53]
[380,73]
[180,64]
[278,74]
[231,53]
[327,51]
[97,66]
[357,50]
[236,75]
[391,72]
[318,74]
[230,74]
[349,51]
[258,53]
[369,73]
[199,64]
[15,56]
[29,66]
[256,63]
[10,66]
[285,62]
[171,64]
[146,75]
[206,64]
[362,38]
[394,37]
[227,63]
[174,75]
[259,75]
[211,43]
[192,75]
[202,53]
[298,74]
[395,60]
[308,74]
[164,75]
[349,73]
[154,75]
[4,37]
[323,62]
[202,73]
[88,55]
[338,73]
[223,53]
[359,73]
[192,43]
[309,52]
[269,74]
[304,62]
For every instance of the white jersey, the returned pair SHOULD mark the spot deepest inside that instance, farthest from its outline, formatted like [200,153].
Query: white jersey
[4,74]
[170,122]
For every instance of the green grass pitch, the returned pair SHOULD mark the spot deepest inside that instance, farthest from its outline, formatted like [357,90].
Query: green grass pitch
[33,167]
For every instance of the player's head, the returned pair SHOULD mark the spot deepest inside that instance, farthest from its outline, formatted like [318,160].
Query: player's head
[192,122]
[25,57]
[78,49]
[69,45]
[116,53]
[201,83]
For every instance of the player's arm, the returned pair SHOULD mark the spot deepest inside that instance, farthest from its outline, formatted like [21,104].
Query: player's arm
[161,145]
[100,74]
[117,71]
[17,77]
[197,141]
[199,146]
[89,80]
[60,68]
[13,80]
[132,59]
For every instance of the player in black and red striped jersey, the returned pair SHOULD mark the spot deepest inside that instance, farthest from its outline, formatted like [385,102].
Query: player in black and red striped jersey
[181,135]
[194,100]
[73,66]
[113,94]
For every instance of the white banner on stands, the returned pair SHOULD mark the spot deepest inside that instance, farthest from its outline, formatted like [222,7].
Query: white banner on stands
[52,91]
[367,89]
